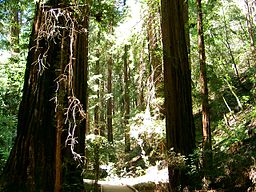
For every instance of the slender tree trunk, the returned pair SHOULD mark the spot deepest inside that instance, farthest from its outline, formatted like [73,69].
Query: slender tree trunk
[126,100]
[119,106]
[97,117]
[180,131]
[110,101]
[97,107]
[103,111]
[47,131]
[141,83]
[206,129]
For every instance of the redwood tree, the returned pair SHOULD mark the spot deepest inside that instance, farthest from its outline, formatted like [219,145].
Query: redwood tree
[206,129]
[110,100]
[52,111]
[153,33]
[126,100]
[177,85]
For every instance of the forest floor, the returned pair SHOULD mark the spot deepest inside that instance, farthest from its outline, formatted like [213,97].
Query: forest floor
[116,188]
[234,170]
[152,175]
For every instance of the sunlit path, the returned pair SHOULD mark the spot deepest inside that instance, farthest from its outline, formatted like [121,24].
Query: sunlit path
[116,188]
[112,184]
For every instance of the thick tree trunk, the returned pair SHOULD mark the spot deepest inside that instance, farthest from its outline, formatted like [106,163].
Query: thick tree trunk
[206,129]
[51,94]
[177,85]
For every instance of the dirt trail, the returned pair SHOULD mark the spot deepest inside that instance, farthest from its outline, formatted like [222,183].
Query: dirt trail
[116,188]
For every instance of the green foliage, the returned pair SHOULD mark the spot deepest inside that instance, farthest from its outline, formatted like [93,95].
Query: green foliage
[147,143]
[26,12]
[7,134]
[176,160]
[105,148]
[230,169]
[12,68]
[106,13]
[10,95]
[98,149]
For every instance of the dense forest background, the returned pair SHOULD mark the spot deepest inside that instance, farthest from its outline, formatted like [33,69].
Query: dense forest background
[126,125]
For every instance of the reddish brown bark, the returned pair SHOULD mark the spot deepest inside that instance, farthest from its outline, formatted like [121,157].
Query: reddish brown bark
[177,85]
[37,158]
[206,129]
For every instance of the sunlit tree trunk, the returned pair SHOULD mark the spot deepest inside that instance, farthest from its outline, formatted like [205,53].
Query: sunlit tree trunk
[141,80]
[43,156]
[206,129]
[177,85]
[126,100]
[154,49]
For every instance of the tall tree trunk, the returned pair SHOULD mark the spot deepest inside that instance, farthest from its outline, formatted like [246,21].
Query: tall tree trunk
[97,117]
[206,129]
[102,111]
[153,46]
[141,81]
[126,100]
[97,107]
[47,130]
[110,101]
[180,131]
